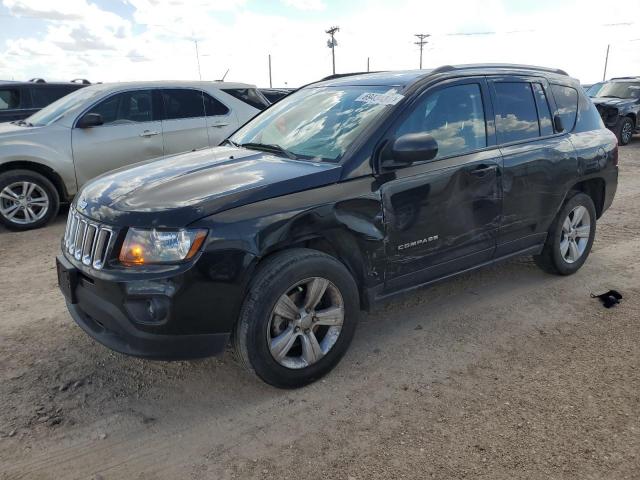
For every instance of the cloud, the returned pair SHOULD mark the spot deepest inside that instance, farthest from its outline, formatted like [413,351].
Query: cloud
[306,4]
[157,39]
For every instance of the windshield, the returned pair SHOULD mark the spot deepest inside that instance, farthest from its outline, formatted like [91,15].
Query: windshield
[53,112]
[317,123]
[593,89]
[618,90]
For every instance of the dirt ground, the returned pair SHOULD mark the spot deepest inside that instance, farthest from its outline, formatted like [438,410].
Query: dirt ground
[504,373]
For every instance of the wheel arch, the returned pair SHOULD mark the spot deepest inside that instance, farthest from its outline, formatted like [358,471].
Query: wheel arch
[594,188]
[43,170]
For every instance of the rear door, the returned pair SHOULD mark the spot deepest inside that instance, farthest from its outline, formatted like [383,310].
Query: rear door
[442,215]
[221,121]
[184,125]
[538,161]
[130,134]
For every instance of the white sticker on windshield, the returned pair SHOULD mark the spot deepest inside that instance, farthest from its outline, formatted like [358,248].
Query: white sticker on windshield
[388,98]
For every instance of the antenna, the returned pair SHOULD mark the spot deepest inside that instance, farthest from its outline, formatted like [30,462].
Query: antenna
[224,76]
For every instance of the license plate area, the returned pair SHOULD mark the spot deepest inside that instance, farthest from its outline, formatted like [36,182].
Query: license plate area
[67,279]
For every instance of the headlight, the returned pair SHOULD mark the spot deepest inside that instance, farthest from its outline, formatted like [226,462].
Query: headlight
[142,247]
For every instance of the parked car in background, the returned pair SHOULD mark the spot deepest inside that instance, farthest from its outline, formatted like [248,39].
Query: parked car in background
[344,193]
[45,158]
[275,94]
[618,102]
[19,100]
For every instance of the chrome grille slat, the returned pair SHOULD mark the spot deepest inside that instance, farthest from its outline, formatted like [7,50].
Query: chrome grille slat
[87,241]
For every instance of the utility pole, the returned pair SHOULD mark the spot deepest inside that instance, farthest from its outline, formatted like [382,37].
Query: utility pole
[198,59]
[270,84]
[421,42]
[332,43]
[606,61]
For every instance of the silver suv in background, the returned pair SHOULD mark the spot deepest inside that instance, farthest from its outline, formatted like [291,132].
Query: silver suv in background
[47,157]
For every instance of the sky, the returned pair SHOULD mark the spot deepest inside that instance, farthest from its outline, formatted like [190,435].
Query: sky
[121,40]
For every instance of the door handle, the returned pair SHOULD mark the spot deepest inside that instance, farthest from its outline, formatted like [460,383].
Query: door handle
[219,125]
[149,133]
[482,170]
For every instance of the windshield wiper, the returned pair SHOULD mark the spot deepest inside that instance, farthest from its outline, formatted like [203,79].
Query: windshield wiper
[269,147]
[23,122]
[609,96]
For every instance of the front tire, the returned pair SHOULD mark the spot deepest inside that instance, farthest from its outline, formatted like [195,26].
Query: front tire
[624,130]
[570,237]
[298,318]
[28,200]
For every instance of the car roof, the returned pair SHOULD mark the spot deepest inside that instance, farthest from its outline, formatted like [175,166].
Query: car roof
[405,78]
[170,84]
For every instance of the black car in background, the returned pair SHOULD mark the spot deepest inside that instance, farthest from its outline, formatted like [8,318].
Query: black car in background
[342,194]
[618,102]
[19,100]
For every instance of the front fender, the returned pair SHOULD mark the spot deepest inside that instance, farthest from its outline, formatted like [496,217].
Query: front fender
[344,219]
[49,146]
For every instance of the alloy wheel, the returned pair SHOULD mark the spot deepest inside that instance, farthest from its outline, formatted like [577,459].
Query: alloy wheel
[576,230]
[627,131]
[305,323]
[24,202]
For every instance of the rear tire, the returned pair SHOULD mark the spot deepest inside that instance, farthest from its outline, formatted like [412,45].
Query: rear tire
[570,237]
[28,200]
[275,339]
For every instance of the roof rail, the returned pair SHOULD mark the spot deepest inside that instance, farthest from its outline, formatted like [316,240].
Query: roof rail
[83,81]
[451,68]
[340,75]
[625,78]
[37,80]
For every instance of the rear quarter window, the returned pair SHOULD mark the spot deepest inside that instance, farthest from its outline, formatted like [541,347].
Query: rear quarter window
[567,103]
[588,117]
[250,96]
[9,98]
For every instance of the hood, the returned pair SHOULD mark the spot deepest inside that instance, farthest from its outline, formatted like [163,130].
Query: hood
[613,102]
[176,191]
[10,130]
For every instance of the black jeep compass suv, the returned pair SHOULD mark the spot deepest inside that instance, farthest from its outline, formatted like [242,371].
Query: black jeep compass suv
[341,194]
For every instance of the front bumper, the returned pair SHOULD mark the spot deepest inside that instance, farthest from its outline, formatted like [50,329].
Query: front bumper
[113,313]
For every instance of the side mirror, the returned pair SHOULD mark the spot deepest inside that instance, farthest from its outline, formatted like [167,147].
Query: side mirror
[410,148]
[90,120]
[557,123]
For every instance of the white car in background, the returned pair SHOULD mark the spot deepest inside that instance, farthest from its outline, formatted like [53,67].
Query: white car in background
[47,157]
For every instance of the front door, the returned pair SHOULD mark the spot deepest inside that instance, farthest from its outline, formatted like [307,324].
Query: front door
[130,134]
[442,215]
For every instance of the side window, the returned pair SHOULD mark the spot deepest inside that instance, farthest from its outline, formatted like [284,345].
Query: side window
[250,96]
[182,103]
[544,113]
[214,107]
[127,107]
[9,98]
[516,113]
[567,102]
[454,116]
[44,96]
